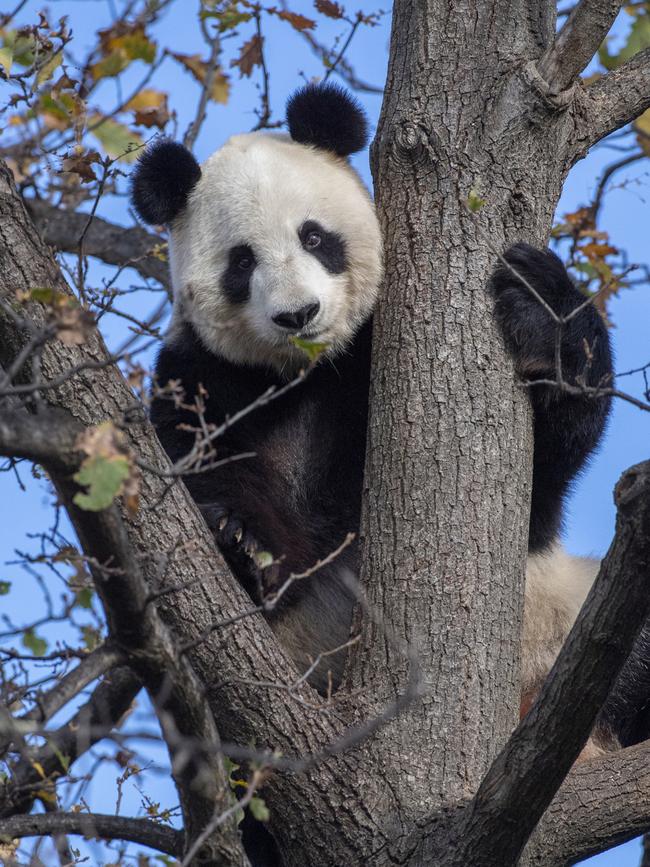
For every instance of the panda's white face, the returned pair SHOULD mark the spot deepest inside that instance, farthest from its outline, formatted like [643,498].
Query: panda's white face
[278,240]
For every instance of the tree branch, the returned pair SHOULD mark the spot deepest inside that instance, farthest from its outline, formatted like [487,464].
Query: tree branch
[135,626]
[107,705]
[645,860]
[176,692]
[613,101]
[602,803]
[142,831]
[529,770]
[47,438]
[577,42]
[113,244]
[90,668]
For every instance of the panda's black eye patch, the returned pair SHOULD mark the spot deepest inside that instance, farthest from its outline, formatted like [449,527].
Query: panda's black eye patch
[327,247]
[236,278]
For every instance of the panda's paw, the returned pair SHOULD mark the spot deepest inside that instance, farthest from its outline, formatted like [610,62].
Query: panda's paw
[229,528]
[527,285]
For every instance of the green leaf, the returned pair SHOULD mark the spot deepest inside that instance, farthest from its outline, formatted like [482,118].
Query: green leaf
[64,761]
[49,68]
[104,477]
[230,18]
[638,39]
[111,66]
[474,201]
[137,46]
[84,598]
[5,587]
[6,58]
[263,559]
[310,347]
[259,809]
[33,642]
[116,138]
[21,47]
[46,295]
[229,766]
[121,49]
[92,637]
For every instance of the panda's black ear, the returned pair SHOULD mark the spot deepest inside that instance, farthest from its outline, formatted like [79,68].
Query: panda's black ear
[162,181]
[328,117]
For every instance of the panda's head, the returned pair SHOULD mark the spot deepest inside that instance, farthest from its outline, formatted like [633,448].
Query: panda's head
[274,237]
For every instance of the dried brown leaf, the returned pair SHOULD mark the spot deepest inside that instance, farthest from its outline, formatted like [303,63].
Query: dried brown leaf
[328,8]
[199,68]
[250,56]
[297,21]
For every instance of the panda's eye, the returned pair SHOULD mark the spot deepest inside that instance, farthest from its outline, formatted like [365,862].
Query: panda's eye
[244,262]
[325,246]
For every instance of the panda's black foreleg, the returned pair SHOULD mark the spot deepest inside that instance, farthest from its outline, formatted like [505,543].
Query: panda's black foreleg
[229,529]
[567,426]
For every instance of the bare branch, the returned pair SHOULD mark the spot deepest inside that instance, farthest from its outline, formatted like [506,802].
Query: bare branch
[142,831]
[528,772]
[170,680]
[606,176]
[613,101]
[107,705]
[93,666]
[190,137]
[115,245]
[602,803]
[577,42]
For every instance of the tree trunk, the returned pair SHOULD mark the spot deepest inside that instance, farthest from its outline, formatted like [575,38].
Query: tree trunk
[450,449]
[466,117]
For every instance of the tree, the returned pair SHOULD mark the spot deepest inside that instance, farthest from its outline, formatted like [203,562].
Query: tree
[416,761]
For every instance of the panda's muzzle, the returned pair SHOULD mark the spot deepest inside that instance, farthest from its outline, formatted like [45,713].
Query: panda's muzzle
[295,320]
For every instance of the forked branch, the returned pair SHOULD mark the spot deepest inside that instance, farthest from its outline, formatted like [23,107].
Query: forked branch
[577,42]
[530,769]
[92,722]
[602,803]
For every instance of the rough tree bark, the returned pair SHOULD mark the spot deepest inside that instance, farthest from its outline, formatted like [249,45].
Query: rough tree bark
[480,102]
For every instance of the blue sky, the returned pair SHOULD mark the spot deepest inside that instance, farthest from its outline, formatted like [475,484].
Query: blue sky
[589,525]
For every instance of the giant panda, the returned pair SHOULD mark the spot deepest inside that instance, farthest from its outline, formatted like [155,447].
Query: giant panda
[275,238]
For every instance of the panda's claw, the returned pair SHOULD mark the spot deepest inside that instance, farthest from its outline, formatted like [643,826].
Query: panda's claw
[229,529]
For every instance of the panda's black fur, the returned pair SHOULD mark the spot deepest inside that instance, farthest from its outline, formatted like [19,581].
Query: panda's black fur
[300,493]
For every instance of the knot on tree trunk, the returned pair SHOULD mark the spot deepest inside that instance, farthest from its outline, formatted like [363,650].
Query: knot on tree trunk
[410,143]
[633,484]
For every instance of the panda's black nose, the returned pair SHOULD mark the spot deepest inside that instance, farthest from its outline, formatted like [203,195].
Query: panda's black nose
[295,320]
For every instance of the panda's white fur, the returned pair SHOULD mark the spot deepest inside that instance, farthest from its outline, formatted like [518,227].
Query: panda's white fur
[557,584]
[255,187]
